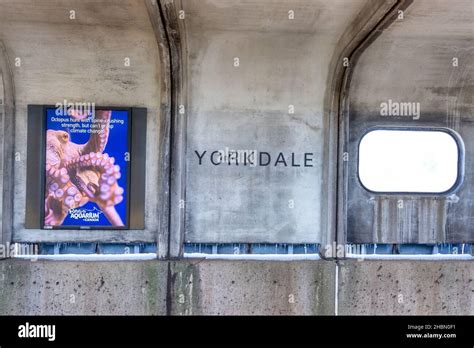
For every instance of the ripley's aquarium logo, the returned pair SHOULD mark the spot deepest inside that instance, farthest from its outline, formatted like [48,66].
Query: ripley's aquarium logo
[92,215]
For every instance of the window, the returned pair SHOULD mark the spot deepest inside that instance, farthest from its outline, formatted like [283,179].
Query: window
[409,160]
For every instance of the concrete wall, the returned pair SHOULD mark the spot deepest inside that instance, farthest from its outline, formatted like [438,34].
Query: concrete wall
[82,60]
[406,288]
[140,288]
[252,287]
[412,61]
[82,288]
[282,62]
[199,287]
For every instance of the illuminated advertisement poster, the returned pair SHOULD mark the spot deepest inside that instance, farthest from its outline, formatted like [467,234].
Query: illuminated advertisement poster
[86,169]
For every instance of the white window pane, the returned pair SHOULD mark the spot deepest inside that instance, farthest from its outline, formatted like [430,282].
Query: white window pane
[408,161]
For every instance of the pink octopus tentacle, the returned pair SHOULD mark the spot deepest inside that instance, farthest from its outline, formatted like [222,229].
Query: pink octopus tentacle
[111,213]
[98,139]
[106,193]
[61,195]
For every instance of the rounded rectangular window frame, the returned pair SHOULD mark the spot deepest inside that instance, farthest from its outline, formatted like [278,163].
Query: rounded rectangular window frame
[460,163]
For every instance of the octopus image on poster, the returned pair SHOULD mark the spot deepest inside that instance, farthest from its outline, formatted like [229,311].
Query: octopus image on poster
[86,171]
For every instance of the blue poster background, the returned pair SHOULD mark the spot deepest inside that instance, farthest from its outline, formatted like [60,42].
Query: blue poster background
[117,147]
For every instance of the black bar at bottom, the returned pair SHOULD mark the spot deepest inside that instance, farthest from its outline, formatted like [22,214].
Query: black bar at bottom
[135,331]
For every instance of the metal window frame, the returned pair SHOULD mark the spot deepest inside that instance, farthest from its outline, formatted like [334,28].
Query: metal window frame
[460,163]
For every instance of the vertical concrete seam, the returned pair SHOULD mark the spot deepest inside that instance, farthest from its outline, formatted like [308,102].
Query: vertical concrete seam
[336,290]
[8,146]
[156,19]
[382,21]
[356,32]
[169,289]
[175,35]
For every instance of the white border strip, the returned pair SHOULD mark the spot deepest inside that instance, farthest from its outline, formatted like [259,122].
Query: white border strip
[89,257]
[437,257]
[236,257]
[263,257]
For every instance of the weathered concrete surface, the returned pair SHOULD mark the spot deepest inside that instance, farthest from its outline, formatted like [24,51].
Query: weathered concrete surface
[220,287]
[6,144]
[252,288]
[83,60]
[139,288]
[282,62]
[406,288]
[82,288]
[427,58]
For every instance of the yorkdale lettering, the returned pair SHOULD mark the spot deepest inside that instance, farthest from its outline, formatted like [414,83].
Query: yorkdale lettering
[254,158]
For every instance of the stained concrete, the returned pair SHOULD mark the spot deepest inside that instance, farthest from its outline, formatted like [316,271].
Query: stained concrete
[83,60]
[406,287]
[82,288]
[252,288]
[219,287]
[2,116]
[282,62]
[140,288]
[412,61]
